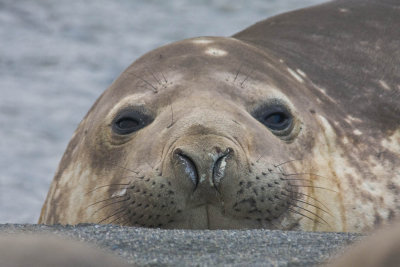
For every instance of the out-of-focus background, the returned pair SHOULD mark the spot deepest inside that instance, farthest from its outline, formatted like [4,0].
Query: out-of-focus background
[57,57]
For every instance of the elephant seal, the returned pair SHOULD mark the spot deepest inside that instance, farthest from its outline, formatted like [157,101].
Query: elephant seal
[293,123]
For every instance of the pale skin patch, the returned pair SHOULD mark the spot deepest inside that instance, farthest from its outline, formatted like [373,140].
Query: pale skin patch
[357,132]
[299,71]
[202,41]
[77,195]
[295,75]
[392,143]
[343,10]
[323,91]
[384,85]
[351,182]
[333,167]
[377,188]
[215,52]
[119,193]
[349,119]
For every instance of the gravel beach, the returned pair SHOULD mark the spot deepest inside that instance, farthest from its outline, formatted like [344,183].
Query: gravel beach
[156,247]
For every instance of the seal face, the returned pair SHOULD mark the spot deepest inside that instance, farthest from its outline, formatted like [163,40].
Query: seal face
[242,132]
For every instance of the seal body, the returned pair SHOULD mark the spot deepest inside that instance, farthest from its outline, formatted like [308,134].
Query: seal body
[293,123]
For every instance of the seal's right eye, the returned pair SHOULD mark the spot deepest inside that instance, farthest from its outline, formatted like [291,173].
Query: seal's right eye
[130,121]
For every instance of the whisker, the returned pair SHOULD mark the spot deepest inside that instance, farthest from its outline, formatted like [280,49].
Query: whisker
[244,80]
[102,186]
[291,179]
[154,76]
[116,165]
[316,187]
[112,203]
[125,221]
[237,73]
[299,200]
[295,211]
[247,76]
[259,158]
[304,173]
[146,82]
[172,114]
[132,176]
[104,200]
[274,225]
[297,179]
[115,213]
[162,74]
[316,215]
[118,218]
[286,162]
[313,198]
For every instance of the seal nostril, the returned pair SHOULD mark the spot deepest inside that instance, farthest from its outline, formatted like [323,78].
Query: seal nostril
[189,166]
[219,166]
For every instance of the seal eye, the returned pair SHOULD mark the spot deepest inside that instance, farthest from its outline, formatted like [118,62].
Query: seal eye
[277,118]
[276,121]
[127,123]
[130,121]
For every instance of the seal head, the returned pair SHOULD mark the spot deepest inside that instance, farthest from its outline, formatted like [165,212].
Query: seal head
[200,145]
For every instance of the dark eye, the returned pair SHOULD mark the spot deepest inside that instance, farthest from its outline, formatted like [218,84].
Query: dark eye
[130,121]
[277,118]
[276,121]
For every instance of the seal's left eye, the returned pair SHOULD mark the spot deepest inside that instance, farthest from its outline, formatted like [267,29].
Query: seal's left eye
[275,117]
[130,121]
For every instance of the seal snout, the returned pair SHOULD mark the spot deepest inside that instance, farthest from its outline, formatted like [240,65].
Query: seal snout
[198,166]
